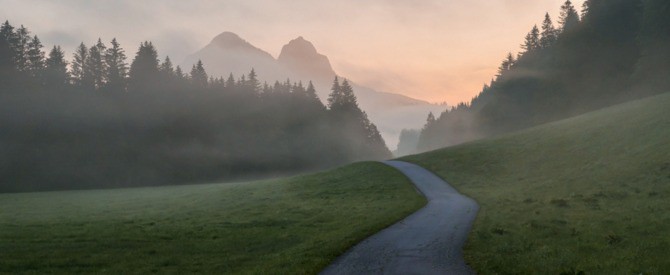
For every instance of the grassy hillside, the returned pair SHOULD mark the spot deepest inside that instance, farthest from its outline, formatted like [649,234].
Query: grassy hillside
[589,194]
[290,226]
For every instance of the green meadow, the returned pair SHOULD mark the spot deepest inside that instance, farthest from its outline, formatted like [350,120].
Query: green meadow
[288,226]
[588,194]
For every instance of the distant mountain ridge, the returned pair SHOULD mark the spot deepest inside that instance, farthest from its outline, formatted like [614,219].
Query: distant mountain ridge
[299,60]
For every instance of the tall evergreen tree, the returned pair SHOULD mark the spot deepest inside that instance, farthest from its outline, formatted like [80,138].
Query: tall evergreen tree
[549,32]
[569,17]
[96,64]
[311,93]
[36,59]
[230,82]
[117,68]
[354,122]
[199,75]
[298,89]
[166,68]
[144,75]
[506,64]
[253,84]
[532,41]
[430,120]
[81,74]
[6,31]
[348,99]
[20,43]
[335,93]
[56,74]
[179,73]
[8,70]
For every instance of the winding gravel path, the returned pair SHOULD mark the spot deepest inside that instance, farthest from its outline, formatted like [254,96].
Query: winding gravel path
[430,241]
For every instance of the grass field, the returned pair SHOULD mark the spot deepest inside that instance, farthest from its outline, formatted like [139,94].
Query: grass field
[588,194]
[291,226]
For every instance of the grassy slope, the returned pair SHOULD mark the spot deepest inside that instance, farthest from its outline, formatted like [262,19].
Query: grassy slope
[590,193]
[290,226]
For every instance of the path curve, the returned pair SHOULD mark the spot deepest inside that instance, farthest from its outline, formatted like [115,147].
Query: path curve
[430,241]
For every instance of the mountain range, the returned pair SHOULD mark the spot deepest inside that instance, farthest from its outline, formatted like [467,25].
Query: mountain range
[299,60]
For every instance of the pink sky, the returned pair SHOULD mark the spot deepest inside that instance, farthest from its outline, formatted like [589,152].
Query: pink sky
[436,50]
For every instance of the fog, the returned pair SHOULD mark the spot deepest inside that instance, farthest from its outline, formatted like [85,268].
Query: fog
[173,133]
[433,50]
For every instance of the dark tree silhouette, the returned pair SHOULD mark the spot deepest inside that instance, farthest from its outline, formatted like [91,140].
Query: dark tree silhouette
[117,68]
[56,74]
[81,74]
[569,17]
[19,42]
[199,76]
[549,33]
[36,59]
[532,42]
[66,131]
[507,64]
[8,71]
[144,75]
[95,64]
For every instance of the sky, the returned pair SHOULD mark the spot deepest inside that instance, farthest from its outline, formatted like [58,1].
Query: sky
[435,50]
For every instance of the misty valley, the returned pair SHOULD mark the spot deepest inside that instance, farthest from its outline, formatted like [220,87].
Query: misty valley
[119,159]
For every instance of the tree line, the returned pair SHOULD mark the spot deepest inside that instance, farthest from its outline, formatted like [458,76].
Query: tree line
[100,121]
[610,52]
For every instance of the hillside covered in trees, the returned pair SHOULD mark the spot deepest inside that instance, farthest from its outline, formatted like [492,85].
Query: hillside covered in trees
[613,51]
[97,121]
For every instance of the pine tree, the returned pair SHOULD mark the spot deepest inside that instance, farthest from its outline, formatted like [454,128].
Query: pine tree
[36,59]
[549,32]
[373,137]
[8,70]
[278,88]
[569,17]
[430,121]
[56,74]
[7,31]
[20,45]
[311,92]
[335,93]
[532,41]
[267,90]
[348,99]
[7,35]
[179,73]
[230,82]
[353,122]
[96,65]
[199,76]
[81,75]
[299,89]
[144,75]
[166,68]
[117,68]
[342,97]
[506,64]
[253,84]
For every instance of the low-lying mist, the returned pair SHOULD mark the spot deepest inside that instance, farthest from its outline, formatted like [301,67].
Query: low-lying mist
[80,126]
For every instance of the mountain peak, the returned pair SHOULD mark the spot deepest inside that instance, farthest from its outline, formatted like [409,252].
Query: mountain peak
[301,56]
[299,46]
[229,39]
